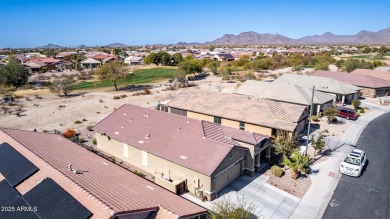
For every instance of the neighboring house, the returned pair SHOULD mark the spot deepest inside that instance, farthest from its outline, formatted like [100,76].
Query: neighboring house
[183,154]
[108,59]
[371,87]
[384,75]
[65,55]
[134,60]
[90,63]
[383,68]
[50,63]
[259,115]
[224,57]
[296,94]
[34,67]
[60,179]
[344,92]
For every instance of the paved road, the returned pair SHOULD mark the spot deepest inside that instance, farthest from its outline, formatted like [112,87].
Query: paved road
[368,195]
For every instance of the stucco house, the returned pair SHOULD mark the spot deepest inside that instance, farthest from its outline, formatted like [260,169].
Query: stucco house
[134,60]
[370,86]
[344,92]
[224,57]
[183,154]
[90,63]
[381,74]
[64,180]
[296,94]
[259,115]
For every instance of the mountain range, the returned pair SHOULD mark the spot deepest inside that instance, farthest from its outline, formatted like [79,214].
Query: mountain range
[253,38]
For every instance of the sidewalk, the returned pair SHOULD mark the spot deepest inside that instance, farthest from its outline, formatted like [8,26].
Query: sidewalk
[324,182]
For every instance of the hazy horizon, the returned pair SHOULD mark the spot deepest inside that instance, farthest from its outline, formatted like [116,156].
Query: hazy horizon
[98,23]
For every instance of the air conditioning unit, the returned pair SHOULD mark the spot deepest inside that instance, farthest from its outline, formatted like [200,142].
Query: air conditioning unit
[196,182]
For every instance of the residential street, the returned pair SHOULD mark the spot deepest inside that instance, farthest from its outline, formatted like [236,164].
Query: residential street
[368,195]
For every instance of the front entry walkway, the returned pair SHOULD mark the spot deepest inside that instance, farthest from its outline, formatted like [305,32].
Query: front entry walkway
[271,202]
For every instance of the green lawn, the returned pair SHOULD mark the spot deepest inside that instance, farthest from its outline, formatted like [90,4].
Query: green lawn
[143,76]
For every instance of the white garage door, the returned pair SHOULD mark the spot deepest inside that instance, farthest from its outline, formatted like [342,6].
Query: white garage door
[227,177]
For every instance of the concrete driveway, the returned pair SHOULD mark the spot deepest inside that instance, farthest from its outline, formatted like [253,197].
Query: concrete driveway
[271,202]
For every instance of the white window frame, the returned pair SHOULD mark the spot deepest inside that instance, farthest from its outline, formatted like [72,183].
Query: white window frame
[144,156]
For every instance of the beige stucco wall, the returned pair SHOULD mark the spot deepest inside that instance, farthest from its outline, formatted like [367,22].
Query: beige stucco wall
[158,166]
[200,116]
[258,129]
[368,92]
[230,123]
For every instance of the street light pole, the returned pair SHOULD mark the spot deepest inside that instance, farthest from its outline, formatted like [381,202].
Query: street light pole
[311,113]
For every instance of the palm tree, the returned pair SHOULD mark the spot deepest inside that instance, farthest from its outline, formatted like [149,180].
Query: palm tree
[297,162]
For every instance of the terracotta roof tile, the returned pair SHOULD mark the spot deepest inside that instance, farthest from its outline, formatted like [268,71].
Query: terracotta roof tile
[116,187]
[384,75]
[357,79]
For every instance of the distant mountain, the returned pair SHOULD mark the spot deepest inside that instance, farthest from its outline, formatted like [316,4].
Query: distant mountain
[117,45]
[253,38]
[50,46]
[82,46]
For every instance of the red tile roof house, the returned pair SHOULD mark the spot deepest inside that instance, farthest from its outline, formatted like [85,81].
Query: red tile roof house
[105,189]
[371,86]
[183,154]
[374,73]
[49,64]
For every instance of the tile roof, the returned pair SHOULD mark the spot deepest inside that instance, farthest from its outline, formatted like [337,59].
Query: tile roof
[384,75]
[361,80]
[90,60]
[44,60]
[327,85]
[247,109]
[170,137]
[278,91]
[116,187]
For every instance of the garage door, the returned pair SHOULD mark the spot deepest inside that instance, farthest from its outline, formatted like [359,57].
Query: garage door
[381,93]
[227,177]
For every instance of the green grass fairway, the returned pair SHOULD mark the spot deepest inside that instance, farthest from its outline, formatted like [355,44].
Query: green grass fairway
[143,76]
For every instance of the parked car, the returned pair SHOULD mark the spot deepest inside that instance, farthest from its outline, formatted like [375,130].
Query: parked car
[346,113]
[354,163]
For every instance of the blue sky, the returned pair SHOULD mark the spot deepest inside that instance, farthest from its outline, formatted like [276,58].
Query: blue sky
[31,23]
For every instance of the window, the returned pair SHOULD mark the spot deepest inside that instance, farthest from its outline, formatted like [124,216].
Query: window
[179,112]
[144,158]
[217,120]
[125,150]
[242,125]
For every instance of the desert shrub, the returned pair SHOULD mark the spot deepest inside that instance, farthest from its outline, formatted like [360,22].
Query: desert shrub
[17,96]
[90,128]
[45,131]
[356,103]
[147,91]
[314,118]
[69,133]
[123,96]
[81,140]
[84,120]
[277,171]
[77,122]
[116,97]
[27,98]
[94,141]
[136,172]
[362,110]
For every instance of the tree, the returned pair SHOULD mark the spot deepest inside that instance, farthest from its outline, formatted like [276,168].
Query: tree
[13,74]
[297,162]
[190,67]
[61,85]
[160,58]
[331,114]
[356,103]
[177,58]
[112,71]
[225,208]
[285,142]
[319,143]
[213,67]
[116,51]
[351,64]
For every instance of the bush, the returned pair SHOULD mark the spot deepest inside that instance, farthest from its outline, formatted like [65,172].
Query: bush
[116,97]
[147,91]
[314,118]
[362,110]
[94,141]
[90,128]
[277,171]
[138,173]
[356,103]
[84,120]
[69,133]
[123,95]
[77,122]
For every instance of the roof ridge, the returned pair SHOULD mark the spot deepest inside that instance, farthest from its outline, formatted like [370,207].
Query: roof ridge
[283,117]
[303,93]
